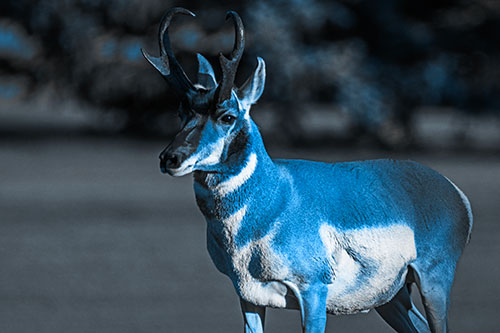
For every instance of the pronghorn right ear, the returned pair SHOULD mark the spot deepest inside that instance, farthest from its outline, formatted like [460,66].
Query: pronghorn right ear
[252,89]
[206,76]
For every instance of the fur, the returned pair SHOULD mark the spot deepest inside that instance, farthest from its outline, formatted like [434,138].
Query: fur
[339,238]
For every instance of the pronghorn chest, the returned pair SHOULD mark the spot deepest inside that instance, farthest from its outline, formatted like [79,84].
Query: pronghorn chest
[241,242]
[250,259]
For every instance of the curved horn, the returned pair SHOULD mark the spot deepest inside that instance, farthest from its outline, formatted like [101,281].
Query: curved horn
[229,66]
[167,64]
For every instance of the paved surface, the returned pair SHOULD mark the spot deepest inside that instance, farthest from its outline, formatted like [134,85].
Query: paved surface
[94,239]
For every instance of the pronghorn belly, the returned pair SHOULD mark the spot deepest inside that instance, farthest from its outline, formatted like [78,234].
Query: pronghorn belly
[369,265]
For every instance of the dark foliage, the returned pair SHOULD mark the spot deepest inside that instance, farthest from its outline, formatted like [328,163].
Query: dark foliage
[376,61]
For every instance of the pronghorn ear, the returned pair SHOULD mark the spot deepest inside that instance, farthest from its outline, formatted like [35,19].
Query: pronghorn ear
[206,76]
[251,90]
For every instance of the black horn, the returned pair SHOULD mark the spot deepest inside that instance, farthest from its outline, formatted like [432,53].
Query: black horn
[167,64]
[229,66]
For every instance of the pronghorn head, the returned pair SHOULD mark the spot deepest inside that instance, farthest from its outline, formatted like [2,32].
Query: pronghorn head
[212,113]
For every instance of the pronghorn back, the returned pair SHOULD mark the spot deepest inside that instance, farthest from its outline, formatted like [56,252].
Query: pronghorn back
[313,236]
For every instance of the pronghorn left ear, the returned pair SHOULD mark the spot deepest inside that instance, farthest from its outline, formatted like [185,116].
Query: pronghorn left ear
[206,76]
[251,90]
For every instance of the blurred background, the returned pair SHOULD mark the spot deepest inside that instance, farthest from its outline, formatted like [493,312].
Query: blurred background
[94,239]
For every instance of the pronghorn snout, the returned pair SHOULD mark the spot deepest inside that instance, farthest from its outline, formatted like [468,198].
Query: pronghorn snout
[169,161]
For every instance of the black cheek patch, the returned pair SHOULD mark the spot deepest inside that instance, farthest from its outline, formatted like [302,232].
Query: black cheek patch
[237,144]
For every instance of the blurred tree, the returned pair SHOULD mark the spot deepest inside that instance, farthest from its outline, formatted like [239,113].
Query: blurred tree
[378,61]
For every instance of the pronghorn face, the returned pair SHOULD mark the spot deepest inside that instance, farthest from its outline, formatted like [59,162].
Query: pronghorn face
[212,112]
[209,128]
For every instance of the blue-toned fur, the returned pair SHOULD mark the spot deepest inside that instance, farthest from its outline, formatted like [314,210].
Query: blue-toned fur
[348,195]
[296,197]
[319,237]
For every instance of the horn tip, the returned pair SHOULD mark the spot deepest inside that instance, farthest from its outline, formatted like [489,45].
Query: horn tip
[230,13]
[182,11]
[188,12]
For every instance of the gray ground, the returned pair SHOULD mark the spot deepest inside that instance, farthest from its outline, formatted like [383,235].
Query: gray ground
[94,239]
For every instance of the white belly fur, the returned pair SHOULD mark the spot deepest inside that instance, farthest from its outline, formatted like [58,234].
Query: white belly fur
[367,264]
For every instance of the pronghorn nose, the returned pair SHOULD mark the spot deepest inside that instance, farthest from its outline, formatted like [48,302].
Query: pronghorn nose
[169,160]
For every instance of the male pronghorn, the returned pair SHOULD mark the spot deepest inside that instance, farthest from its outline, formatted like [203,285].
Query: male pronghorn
[322,238]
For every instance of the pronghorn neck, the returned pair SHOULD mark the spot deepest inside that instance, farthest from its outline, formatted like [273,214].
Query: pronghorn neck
[246,174]
[246,158]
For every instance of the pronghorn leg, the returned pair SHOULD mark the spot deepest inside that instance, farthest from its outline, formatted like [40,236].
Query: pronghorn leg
[314,309]
[435,287]
[402,315]
[254,317]
[436,301]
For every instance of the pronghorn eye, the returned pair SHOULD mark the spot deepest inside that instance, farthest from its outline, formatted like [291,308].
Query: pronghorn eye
[227,119]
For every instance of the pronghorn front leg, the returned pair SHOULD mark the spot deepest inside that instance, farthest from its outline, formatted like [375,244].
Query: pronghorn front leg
[254,317]
[313,308]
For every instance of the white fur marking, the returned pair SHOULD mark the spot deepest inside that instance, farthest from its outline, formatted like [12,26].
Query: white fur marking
[233,222]
[233,183]
[216,152]
[184,169]
[213,158]
[188,163]
[384,251]
[261,293]
[338,257]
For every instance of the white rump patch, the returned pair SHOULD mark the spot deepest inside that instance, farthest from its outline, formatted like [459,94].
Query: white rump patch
[382,252]
[233,183]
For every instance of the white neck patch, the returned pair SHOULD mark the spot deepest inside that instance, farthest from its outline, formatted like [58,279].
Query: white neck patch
[233,183]
[233,222]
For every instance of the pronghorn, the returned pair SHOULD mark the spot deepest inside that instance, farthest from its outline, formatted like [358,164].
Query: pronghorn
[320,238]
